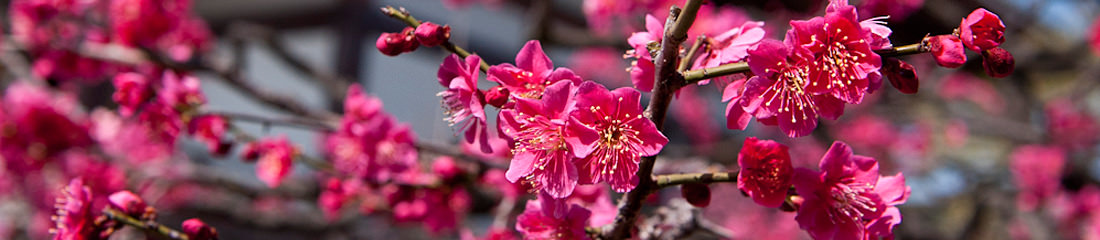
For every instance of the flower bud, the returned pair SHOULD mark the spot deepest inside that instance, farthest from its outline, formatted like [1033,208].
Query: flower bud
[389,43]
[198,230]
[948,50]
[497,96]
[127,202]
[982,30]
[430,34]
[998,62]
[697,194]
[901,75]
[392,44]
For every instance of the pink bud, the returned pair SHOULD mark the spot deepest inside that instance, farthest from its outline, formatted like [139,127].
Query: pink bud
[389,43]
[901,75]
[998,62]
[982,30]
[497,96]
[251,152]
[198,230]
[127,202]
[409,42]
[430,34]
[948,50]
[697,194]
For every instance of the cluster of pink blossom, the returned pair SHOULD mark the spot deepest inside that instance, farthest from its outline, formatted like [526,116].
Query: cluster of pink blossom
[428,34]
[55,33]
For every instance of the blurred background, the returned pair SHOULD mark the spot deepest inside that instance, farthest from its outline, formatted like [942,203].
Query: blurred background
[966,142]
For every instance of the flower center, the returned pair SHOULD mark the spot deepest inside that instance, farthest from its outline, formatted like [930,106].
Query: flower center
[850,202]
[532,88]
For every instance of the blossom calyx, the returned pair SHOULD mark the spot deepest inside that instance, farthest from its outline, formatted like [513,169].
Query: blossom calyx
[430,34]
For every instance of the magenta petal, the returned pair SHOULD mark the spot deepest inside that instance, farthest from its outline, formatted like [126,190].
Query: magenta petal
[562,73]
[581,139]
[892,189]
[502,74]
[533,59]
[767,54]
[449,69]
[523,163]
[836,158]
[558,99]
[736,117]
[560,175]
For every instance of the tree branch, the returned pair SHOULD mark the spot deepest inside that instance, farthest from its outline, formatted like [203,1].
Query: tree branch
[148,226]
[696,75]
[669,180]
[667,81]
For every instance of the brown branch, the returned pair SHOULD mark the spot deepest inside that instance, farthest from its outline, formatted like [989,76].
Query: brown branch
[669,180]
[293,122]
[148,226]
[404,16]
[667,80]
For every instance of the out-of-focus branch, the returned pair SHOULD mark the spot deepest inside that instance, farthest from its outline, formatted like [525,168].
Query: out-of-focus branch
[294,122]
[457,153]
[404,16]
[148,226]
[333,84]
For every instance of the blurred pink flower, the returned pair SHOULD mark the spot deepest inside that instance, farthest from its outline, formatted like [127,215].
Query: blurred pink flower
[73,219]
[1037,171]
[210,130]
[198,230]
[964,86]
[1070,126]
[898,10]
[601,64]
[276,157]
[128,203]
[131,90]
[614,137]
[180,91]
[691,109]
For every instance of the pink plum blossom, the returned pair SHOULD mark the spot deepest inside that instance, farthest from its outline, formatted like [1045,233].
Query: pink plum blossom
[765,171]
[210,130]
[779,93]
[131,90]
[532,73]
[74,219]
[1037,171]
[848,199]
[642,70]
[462,101]
[843,64]
[276,157]
[545,150]
[624,135]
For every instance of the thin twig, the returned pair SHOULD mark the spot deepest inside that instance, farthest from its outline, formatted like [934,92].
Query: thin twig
[149,226]
[692,53]
[293,122]
[333,84]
